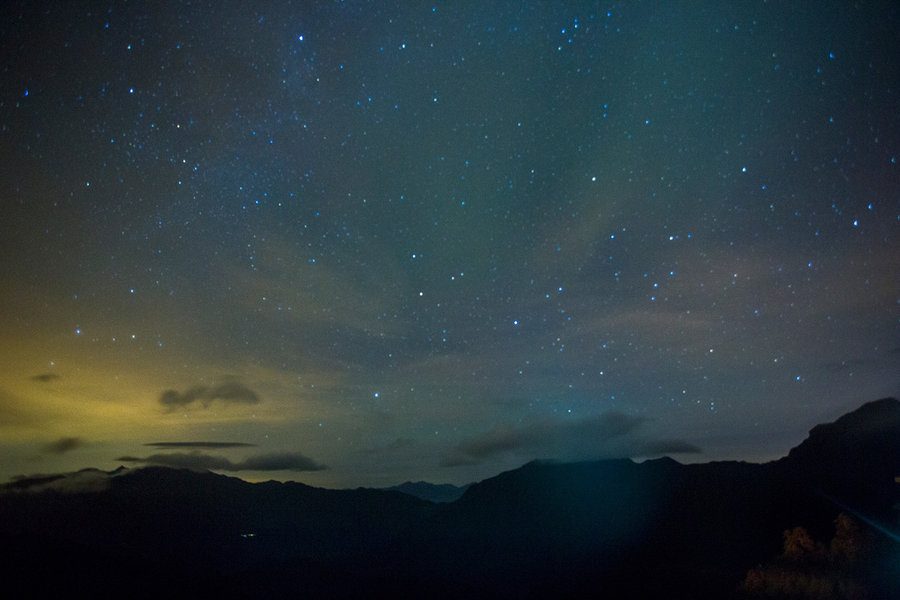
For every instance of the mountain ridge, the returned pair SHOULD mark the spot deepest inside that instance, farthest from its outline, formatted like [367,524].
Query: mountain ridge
[544,529]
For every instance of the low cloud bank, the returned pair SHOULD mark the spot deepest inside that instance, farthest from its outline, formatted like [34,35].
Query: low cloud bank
[608,435]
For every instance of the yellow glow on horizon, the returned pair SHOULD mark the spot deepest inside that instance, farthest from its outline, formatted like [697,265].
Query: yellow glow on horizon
[100,398]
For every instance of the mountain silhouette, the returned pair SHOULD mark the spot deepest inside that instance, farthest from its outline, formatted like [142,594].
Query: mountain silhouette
[443,492]
[856,458]
[610,528]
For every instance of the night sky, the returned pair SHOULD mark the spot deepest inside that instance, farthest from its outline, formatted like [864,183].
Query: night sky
[356,243]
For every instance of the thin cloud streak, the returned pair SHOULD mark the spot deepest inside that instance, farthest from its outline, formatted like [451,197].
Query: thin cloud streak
[280,461]
[200,445]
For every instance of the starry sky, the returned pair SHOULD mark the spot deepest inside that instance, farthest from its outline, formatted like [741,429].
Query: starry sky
[357,243]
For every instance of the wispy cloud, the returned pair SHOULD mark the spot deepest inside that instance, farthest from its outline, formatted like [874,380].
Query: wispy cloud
[279,461]
[229,393]
[63,445]
[44,377]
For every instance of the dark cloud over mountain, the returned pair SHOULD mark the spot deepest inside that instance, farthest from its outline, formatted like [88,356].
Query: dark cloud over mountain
[610,434]
[280,461]
[85,480]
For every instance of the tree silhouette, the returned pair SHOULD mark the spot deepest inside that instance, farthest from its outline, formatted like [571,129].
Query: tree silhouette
[850,542]
[805,569]
[800,546]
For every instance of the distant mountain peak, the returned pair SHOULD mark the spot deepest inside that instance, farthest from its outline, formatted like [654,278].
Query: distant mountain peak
[443,492]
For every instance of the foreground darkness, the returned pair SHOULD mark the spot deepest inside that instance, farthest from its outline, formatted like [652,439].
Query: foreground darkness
[605,529]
